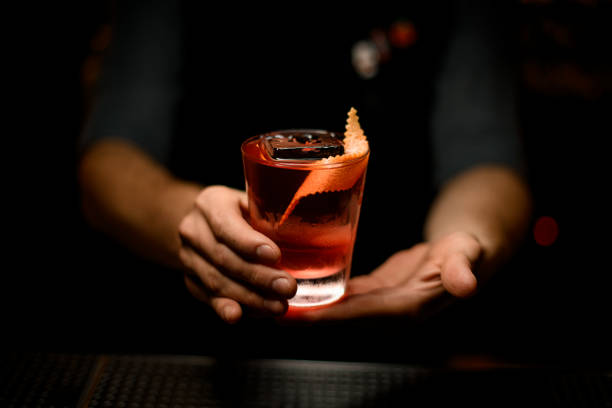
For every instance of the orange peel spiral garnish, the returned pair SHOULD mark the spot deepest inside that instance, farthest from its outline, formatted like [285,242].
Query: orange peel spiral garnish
[335,179]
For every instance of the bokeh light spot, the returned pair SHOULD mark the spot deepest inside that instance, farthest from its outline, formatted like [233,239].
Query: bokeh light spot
[402,34]
[545,231]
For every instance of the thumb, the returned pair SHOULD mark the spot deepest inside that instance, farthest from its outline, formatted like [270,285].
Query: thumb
[457,276]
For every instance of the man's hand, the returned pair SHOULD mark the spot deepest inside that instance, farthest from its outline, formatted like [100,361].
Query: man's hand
[228,263]
[414,282]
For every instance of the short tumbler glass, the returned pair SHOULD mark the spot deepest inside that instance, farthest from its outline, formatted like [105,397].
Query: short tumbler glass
[310,209]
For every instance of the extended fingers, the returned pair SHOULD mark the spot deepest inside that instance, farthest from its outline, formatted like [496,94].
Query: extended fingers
[213,285]
[198,234]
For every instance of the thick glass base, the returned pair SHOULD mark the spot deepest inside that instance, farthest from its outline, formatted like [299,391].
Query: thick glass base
[319,291]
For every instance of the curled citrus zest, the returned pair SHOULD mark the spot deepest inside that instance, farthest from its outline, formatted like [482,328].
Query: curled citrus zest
[355,141]
[338,179]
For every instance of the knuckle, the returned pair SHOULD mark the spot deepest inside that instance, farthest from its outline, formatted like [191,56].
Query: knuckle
[219,220]
[460,238]
[202,199]
[214,189]
[207,194]
[213,282]
[260,276]
[254,275]
[221,254]
[465,242]
[185,228]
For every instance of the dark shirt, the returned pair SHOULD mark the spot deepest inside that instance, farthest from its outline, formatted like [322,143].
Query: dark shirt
[188,83]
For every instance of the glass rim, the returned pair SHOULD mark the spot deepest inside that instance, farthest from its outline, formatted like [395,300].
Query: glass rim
[296,163]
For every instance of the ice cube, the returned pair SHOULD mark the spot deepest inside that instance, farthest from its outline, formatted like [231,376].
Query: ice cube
[302,145]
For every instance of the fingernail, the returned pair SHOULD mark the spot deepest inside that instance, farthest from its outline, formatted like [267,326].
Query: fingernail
[281,285]
[274,306]
[266,253]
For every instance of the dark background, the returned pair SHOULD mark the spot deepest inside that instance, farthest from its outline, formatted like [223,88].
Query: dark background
[552,305]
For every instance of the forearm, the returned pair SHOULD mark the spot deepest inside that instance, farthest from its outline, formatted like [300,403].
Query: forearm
[492,203]
[134,199]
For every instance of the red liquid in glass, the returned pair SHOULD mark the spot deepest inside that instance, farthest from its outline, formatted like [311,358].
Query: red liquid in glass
[316,238]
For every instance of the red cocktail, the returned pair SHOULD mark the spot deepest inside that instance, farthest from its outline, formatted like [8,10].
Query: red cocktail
[308,204]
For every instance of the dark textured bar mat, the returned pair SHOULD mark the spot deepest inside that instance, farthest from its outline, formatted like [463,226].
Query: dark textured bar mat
[59,380]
